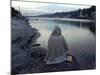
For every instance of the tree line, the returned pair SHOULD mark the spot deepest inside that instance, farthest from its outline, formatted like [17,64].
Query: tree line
[86,13]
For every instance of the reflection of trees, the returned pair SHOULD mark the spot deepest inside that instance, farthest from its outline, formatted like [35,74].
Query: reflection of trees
[68,22]
[90,25]
[92,28]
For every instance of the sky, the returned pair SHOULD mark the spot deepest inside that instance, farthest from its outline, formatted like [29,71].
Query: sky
[33,8]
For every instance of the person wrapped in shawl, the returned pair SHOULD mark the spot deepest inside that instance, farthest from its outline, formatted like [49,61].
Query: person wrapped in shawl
[57,47]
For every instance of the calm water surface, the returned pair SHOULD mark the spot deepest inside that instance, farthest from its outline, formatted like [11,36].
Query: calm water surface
[80,39]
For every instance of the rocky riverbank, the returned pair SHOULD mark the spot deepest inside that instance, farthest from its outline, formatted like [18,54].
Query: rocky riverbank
[22,37]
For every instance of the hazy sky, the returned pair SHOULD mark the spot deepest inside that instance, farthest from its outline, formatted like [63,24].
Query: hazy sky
[44,8]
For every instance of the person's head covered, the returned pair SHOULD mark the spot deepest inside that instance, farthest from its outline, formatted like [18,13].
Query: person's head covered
[56,31]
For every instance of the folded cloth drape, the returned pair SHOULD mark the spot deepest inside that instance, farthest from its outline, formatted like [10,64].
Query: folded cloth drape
[57,48]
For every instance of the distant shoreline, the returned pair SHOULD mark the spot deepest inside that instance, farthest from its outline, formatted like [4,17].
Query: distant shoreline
[65,19]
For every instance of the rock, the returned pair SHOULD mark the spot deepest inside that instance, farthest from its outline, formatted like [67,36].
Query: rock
[38,52]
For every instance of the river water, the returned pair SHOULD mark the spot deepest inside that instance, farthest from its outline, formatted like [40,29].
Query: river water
[80,39]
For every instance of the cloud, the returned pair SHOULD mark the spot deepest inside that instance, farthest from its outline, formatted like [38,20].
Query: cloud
[27,5]
[43,8]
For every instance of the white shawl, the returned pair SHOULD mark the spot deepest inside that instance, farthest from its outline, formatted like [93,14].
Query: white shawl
[57,48]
